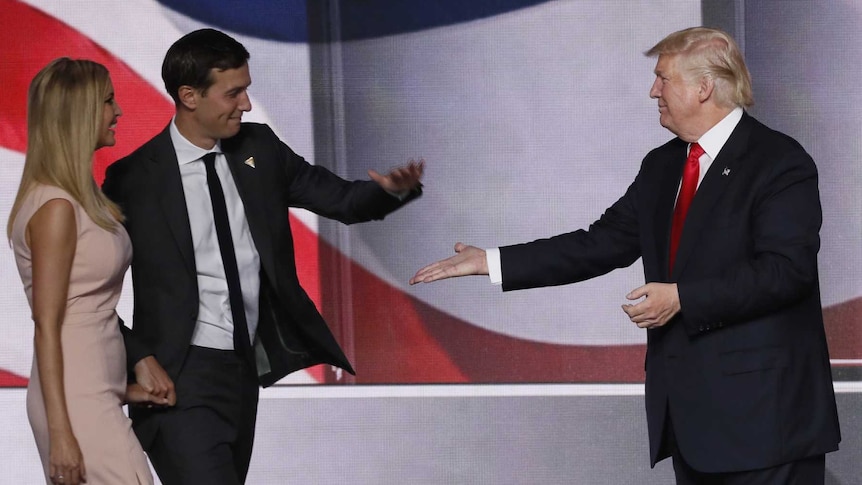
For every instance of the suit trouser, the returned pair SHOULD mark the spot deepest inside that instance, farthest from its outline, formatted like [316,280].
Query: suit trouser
[208,436]
[807,471]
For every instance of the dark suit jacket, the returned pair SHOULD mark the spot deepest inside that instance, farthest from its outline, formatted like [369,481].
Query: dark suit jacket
[743,369]
[148,187]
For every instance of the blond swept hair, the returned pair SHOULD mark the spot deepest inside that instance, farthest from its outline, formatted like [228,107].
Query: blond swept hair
[711,53]
[65,104]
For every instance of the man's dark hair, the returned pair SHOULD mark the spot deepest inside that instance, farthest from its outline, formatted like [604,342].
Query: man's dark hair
[189,60]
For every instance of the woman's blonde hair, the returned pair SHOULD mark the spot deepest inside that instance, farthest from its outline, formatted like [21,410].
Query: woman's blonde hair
[65,108]
[711,53]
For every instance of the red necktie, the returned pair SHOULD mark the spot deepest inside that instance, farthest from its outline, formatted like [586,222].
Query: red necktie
[690,174]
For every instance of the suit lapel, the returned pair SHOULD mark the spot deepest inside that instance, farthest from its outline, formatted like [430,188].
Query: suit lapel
[667,189]
[168,181]
[711,189]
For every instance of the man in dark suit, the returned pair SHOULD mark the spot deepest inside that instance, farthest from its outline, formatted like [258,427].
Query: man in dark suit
[726,217]
[218,309]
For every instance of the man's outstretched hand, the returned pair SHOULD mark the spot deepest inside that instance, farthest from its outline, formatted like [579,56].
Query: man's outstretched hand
[401,179]
[468,260]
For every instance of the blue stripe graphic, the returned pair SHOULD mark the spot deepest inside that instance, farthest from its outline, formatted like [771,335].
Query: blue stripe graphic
[288,20]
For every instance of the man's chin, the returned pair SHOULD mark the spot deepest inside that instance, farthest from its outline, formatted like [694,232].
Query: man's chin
[664,123]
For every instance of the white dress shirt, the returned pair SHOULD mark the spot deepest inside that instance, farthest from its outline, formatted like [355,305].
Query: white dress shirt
[712,142]
[214,327]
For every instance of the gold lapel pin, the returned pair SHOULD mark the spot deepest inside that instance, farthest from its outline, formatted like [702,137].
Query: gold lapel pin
[249,161]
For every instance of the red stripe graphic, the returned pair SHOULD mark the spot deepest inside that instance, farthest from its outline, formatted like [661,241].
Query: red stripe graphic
[31,39]
[8,379]
[843,322]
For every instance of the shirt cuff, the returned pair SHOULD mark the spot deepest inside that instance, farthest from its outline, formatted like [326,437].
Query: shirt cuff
[495,269]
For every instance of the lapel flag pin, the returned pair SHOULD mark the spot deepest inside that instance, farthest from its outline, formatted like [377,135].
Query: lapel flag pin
[726,171]
[250,162]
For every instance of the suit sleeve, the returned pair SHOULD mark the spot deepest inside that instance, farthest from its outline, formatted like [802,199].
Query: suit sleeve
[609,243]
[782,266]
[135,349]
[317,189]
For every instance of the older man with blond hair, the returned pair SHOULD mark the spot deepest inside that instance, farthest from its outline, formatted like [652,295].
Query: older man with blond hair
[726,218]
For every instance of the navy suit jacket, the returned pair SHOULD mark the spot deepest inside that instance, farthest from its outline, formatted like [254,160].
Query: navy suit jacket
[291,333]
[744,368]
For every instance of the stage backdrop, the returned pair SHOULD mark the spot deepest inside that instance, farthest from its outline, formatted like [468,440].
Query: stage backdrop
[533,117]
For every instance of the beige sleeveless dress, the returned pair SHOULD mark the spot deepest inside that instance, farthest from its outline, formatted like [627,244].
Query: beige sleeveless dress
[94,358]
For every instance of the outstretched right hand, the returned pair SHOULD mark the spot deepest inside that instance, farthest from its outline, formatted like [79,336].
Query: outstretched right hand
[154,380]
[469,260]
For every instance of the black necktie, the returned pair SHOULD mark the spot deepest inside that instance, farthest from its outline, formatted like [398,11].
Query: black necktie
[228,256]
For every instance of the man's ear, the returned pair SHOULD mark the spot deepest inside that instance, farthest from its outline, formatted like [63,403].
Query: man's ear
[188,97]
[707,85]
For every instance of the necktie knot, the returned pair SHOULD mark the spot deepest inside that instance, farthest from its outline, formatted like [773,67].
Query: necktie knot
[695,152]
[209,159]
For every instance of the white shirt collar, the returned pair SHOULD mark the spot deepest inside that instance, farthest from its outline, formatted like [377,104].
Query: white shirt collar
[714,139]
[187,151]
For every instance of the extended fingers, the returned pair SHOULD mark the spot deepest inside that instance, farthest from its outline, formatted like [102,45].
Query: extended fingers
[400,178]
[432,272]
[407,176]
[438,269]
[69,474]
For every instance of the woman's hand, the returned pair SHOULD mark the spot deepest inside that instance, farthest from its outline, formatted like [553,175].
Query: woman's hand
[65,461]
[136,395]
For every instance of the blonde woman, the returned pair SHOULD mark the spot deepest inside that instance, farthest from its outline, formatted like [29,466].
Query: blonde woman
[72,252]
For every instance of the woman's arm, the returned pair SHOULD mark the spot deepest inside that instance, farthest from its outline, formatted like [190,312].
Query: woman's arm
[52,238]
